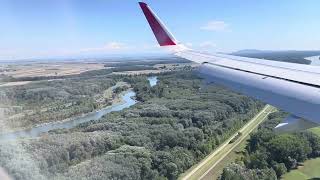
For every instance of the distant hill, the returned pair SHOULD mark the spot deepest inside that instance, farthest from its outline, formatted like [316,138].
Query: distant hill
[286,56]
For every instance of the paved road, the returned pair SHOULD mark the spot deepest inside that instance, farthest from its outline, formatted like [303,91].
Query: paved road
[203,170]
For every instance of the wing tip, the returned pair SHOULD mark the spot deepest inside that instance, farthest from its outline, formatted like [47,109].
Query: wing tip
[163,36]
[143,4]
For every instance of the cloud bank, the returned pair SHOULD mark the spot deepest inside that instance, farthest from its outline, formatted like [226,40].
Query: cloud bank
[219,26]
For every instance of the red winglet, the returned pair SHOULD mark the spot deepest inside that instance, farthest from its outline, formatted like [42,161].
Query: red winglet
[164,37]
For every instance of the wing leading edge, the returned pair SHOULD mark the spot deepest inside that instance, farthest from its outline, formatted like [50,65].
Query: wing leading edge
[292,87]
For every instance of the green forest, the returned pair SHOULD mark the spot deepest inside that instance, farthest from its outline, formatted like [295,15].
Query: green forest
[49,101]
[269,155]
[175,124]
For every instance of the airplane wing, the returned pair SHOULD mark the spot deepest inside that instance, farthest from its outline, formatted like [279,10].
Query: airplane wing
[295,88]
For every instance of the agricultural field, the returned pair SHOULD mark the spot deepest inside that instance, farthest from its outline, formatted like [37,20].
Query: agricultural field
[49,69]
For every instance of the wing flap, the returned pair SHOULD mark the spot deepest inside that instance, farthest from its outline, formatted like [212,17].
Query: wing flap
[287,71]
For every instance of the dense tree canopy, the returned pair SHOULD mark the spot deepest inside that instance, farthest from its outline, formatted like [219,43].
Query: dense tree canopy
[278,152]
[177,123]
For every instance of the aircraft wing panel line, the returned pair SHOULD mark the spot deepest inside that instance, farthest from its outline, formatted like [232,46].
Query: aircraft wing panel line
[299,76]
[275,64]
[294,88]
[295,66]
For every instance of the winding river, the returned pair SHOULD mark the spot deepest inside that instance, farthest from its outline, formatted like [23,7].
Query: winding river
[127,101]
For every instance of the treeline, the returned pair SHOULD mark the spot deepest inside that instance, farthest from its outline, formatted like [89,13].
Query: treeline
[286,56]
[149,62]
[115,67]
[273,153]
[87,74]
[180,122]
[50,101]
[51,155]
[59,99]
[177,123]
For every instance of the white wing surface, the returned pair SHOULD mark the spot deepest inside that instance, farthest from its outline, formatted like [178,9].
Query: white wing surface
[294,88]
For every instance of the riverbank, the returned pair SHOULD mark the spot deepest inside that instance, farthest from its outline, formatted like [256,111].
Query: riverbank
[162,136]
[120,102]
[106,100]
[126,101]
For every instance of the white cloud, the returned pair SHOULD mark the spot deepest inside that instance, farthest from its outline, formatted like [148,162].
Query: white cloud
[189,44]
[115,46]
[216,26]
[111,46]
[207,44]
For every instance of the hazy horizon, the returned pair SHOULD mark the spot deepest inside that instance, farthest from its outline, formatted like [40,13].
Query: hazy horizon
[64,29]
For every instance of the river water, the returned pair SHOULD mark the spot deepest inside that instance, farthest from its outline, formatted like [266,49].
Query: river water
[127,101]
[153,80]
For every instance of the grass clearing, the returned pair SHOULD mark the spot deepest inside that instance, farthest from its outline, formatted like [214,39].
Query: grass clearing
[316,130]
[310,170]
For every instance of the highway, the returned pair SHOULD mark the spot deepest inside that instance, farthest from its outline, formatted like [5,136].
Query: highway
[205,169]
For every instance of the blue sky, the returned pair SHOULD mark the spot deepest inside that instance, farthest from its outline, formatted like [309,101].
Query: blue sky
[47,28]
